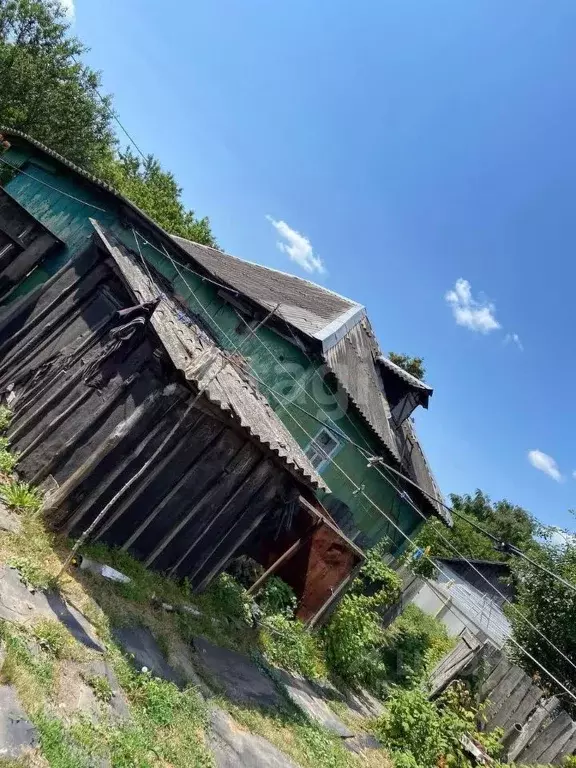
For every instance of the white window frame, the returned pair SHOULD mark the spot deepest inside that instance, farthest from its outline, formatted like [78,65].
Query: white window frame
[313,446]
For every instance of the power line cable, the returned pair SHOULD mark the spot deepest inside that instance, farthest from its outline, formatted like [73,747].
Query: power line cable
[355,485]
[54,189]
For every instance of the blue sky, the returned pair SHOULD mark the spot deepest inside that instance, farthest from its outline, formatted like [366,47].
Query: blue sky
[414,144]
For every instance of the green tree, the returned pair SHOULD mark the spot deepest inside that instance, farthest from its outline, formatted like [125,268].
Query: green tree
[412,365]
[508,522]
[550,606]
[45,90]
[156,192]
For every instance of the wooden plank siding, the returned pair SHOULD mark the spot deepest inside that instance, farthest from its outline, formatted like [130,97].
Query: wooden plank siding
[73,385]
[94,393]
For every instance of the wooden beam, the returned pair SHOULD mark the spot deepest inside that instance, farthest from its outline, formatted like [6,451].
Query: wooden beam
[218,485]
[290,552]
[109,479]
[26,261]
[331,602]
[62,366]
[238,535]
[82,289]
[116,393]
[114,438]
[127,503]
[168,497]
[261,467]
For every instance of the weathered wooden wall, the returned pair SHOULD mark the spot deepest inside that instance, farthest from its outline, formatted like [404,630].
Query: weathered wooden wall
[91,406]
[536,728]
[68,215]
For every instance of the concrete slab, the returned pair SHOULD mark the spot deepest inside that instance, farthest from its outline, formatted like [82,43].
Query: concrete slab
[240,678]
[9,521]
[359,744]
[118,708]
[234,748]
[18,604]
[17,734]
[310,701]
[141,645]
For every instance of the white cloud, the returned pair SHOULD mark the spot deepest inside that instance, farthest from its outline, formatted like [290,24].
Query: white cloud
[513,338]
[474,314]
[298,247]
[68,6]
[545,464]
[574,474]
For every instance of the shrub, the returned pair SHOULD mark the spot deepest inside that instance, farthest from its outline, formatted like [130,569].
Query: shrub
[413,645]
[354,635]
[287,643]
[352,639]
[277,597]
[422,733]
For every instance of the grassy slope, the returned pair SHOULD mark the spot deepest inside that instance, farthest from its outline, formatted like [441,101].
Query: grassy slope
[167,727]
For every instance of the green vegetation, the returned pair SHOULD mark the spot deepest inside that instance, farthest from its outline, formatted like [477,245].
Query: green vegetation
[5,419]
[502,519]
[423,734]
[413,645]
[20,496]
[49,93]
[276,597]
[55,639]
[550,606]
[412,365]
[287,643]
[101,687]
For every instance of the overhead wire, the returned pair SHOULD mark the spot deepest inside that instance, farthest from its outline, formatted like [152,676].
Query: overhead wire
[54,189]
[373,503]
[341,435]
[338,432]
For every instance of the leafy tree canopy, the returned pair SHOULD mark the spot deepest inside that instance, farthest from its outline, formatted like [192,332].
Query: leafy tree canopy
[508,522]
[550,606]
[47,92]
[412,365]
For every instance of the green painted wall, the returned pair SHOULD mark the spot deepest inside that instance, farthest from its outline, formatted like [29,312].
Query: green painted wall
[268,353]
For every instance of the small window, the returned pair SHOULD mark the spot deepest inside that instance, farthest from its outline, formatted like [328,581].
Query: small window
[322,448]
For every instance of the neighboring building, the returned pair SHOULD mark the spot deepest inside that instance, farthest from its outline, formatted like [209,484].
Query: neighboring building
[466,594]
[310,351]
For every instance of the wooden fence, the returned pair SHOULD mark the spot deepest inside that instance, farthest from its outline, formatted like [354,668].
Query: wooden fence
[537,731]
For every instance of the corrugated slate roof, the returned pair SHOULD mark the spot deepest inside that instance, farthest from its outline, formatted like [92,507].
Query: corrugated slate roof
[412,382]
[203,363]
[308,307]
[351,360]
[353,355]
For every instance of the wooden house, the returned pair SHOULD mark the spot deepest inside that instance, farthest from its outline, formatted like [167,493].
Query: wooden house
[290,341]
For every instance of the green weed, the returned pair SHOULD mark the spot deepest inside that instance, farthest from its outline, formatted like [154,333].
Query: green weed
[8,461]
[21,496]
[55,639]
[32,572]
[101,687]
[5,418]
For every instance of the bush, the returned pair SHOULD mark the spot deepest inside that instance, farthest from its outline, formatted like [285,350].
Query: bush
[277,597]
[424,734]
[413,645]
[288,644]
[354,636]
